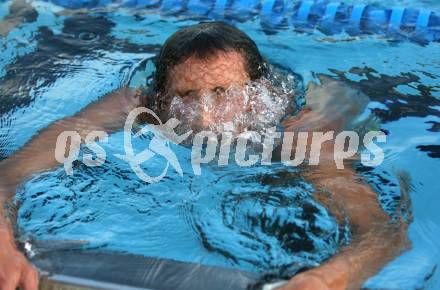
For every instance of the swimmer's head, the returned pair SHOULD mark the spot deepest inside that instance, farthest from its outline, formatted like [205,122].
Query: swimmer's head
[207,56]
[204,76]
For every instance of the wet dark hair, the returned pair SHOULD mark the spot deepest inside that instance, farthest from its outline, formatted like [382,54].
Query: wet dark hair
[204,40]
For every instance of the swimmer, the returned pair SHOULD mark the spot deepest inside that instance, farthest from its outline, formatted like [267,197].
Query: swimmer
[198,69]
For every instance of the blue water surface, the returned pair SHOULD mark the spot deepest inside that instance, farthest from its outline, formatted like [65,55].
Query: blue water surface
[54,64]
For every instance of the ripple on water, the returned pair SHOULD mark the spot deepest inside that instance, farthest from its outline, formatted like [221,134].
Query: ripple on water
[265,222]
[257,219]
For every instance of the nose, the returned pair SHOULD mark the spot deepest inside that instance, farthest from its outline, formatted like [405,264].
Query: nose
[219,107]
[209,103]
[207,119]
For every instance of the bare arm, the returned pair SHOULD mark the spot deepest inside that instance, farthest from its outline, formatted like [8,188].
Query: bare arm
[107,114]
[375,239]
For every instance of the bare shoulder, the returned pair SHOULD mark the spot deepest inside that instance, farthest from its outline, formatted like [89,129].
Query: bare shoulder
[118,102]
[330,105]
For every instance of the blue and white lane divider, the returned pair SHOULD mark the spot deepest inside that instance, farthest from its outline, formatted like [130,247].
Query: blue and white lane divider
[331,17]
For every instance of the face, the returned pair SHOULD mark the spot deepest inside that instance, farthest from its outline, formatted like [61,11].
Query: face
[217,94]
[195,79]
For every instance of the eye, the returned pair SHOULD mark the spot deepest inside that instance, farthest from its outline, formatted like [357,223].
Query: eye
[188,95]
[219,90]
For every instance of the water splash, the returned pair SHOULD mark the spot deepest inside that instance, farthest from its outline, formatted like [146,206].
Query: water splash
[257,106]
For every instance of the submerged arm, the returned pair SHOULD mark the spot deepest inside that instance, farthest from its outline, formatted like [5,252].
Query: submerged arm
[107,114]
[376,240]
[38,155]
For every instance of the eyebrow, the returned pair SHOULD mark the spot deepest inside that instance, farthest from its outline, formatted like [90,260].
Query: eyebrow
[184,92]
[221,88]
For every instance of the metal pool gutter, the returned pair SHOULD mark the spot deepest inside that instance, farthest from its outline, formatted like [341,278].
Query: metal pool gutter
[63,282]
[98,270]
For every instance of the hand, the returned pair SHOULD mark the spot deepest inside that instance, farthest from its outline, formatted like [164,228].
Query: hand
[333,275]
[305,282]
[15,270]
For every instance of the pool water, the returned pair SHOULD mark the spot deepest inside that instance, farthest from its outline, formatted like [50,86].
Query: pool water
[54,62]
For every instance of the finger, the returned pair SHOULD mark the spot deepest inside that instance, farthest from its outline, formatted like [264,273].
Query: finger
[30,278]
[11,282]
